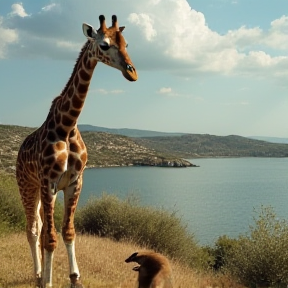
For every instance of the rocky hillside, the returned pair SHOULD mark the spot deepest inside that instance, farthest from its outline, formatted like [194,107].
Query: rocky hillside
[104,150]
[203,145]
[126,131]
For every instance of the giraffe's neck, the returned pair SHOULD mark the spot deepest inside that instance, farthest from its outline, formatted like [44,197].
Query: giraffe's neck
[66,108]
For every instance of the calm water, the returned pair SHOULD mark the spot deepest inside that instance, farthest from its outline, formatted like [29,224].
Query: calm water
[214,199]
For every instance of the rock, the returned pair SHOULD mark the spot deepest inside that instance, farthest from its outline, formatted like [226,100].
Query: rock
[163,162]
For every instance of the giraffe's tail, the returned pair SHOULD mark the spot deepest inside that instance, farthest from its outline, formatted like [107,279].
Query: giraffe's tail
[41,212]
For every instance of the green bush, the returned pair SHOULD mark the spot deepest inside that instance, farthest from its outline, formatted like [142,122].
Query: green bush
[220,251]
[155,229]
[12,216]
[261,256]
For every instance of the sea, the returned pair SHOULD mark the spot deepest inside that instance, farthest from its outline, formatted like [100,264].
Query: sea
[220,197]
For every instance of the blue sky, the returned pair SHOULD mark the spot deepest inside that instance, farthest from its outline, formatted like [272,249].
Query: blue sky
[216,66]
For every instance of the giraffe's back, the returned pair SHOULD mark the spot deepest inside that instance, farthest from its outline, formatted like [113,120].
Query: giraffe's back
[42,160]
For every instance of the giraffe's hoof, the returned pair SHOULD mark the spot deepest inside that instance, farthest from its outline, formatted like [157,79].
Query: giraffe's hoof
[75,281]
[38,282]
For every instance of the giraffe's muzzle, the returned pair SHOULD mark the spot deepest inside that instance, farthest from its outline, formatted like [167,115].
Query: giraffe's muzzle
[130,72]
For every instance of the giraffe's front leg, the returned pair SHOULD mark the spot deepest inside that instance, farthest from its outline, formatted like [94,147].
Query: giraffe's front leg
[49,235]
[71,196]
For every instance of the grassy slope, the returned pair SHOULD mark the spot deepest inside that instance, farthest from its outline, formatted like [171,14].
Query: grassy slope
[101,263]
[101,260]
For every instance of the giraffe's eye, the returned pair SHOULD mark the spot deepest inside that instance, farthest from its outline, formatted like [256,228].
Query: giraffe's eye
[127,45]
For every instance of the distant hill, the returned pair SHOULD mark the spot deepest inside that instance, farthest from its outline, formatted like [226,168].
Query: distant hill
[125,131]
[147,133]
[104,150]
[270,139]
[204,145]
[111,149]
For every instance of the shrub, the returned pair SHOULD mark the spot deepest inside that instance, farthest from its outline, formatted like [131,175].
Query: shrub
[261,256]
[220,251]
[12,216]
[155,229]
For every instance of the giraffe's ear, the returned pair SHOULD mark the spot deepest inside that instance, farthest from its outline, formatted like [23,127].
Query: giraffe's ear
[121,28]
[88,31]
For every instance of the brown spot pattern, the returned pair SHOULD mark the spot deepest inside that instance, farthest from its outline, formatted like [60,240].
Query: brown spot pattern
[51,136]
[82,88]
[84,75]
[77,103]
[42,156]
[67,121]
[74,113]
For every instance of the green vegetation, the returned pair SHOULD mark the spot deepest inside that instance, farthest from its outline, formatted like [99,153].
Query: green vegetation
[261,256]
[111,217]
[12,216]
[11,138]
[205,145]
[107,149]
[104,149]
[220,252]
[154,229]
[258,257]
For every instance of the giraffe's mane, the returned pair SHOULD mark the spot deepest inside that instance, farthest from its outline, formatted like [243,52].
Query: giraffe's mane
[56,99]
[75,68]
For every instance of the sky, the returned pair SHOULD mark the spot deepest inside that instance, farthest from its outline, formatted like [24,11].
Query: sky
[215,67]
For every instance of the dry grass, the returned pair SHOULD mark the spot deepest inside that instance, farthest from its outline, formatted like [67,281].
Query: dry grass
[101,263]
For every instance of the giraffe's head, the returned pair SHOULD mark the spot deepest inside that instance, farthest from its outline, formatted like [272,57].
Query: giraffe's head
[109,47]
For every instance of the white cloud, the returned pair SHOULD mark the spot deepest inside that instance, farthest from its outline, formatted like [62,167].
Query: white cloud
[261,59]
[69,45]
[243,37]
[162,35]
[102,91]
[7,36]
[145,23]
[106,92]
[18,10]
[169,92]
[165,90]
[277,36]
[49,7]
[118,91]
[280,24]
[183,35]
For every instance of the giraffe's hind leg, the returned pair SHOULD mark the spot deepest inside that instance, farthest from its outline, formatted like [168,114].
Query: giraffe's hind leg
[49,235]
[32,206]
[71,196]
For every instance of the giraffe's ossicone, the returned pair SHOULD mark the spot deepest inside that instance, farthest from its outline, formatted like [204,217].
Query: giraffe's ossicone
[54,156]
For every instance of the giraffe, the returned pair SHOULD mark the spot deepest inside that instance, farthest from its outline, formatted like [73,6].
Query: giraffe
[54,156]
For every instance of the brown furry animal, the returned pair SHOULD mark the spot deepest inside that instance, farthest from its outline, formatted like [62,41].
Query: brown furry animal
[154,270]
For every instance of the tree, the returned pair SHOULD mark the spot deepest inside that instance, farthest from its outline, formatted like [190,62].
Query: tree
[261,256]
